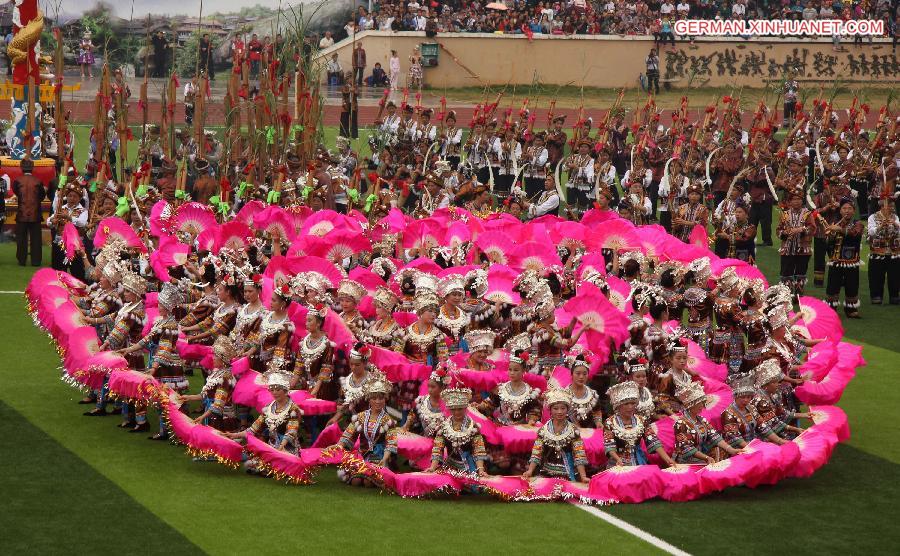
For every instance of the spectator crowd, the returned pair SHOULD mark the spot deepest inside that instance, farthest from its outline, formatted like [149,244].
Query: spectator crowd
[603,17]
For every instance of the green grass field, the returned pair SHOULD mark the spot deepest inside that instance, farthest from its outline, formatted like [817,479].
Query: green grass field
[74,484]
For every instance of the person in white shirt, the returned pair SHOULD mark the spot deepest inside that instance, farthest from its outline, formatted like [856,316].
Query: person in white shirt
[326,41]
[394,67]
[672,186]
[72,211]
[666,8]
[683,9]
[421,21]
[738,10]
[547,202]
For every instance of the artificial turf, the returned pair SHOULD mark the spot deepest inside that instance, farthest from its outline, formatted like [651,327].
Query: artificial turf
[167,502]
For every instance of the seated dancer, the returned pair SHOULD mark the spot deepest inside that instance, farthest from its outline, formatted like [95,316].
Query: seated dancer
[421,342]
[352,396]
[126,330]
[278,423]
[696,440]
[426,416]
[586,411]
[772,416]
[245,334]
[458,444]
[375,430]
[646,403]
[451,319]
[624,431]
[223,317]
[480,344]
[676,377]
[166,364]
[275,332]
[514,402]
[740,419]
[558,449]
[384,330]
[218,409]
[349,294]
[314,363]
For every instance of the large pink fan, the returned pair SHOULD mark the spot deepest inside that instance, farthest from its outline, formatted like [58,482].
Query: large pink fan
[161,218]
[849,355]
[66,318]
[618,234]
[535,256]
[114,227]
[821,358]
[620,294]
[718,398]
[827,391]
[680,483]
[133,385]
[366,277]
[820,319]
[329,436]
[414,447]
[729,472]
[545,488]
[486,427]
[251,390]
[394,223]
[500,285]
[209,239]
[595,312]
[630,484]
[193,218]
[424,264]
[71,241]
[297,469]
[815,450]
[457,234]
[298,215]
[248,211]
[169,253]
[274,221]
[201,438]
[318,265]
[684,252]
[396,367]
[653,240]
[594,446]
[496,246]
[322,222]
[503,487]
[234,235]
[423,235]
[700,363]
[595,217]
[339,245]
[741,268]
[593,262]
[699,237]
[517,439]
[570,234]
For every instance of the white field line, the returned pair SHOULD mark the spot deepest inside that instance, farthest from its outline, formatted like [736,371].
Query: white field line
[631,529]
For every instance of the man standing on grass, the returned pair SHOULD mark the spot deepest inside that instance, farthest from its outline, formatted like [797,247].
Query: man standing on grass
[29,193]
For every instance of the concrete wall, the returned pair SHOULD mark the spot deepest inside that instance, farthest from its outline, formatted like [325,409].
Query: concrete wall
[611,62]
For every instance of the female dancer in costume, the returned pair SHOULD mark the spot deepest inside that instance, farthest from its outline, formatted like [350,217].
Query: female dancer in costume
[558,450]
